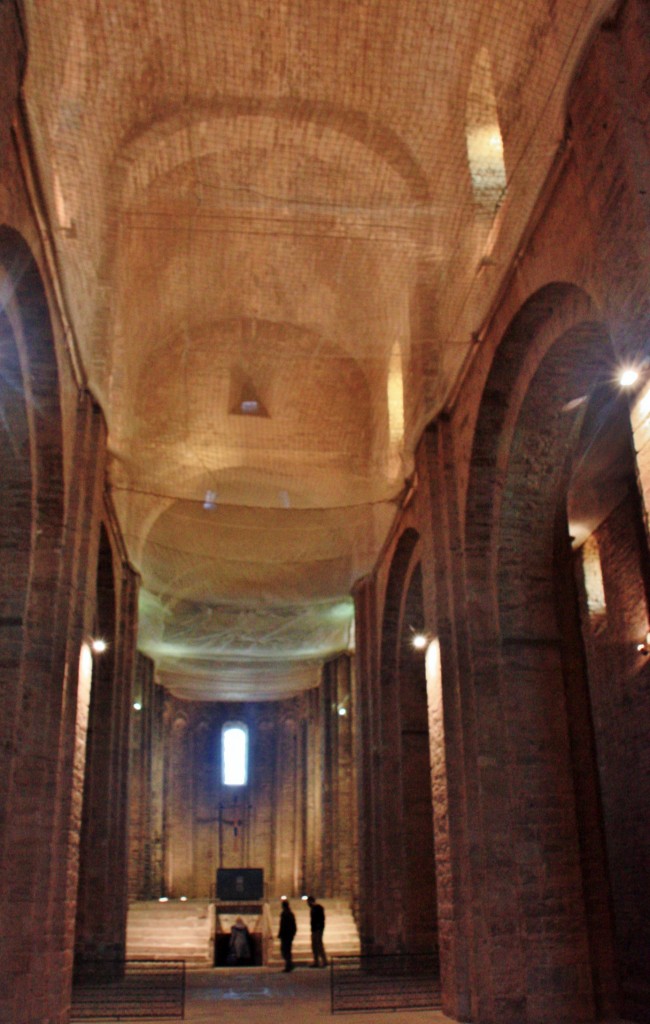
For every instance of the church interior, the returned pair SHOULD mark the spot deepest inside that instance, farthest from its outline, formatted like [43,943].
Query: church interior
[325,476]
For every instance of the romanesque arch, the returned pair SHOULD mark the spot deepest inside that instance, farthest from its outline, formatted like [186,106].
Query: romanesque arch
[31,470]
[31,642]
[100,928]
[404,833]
[540,866]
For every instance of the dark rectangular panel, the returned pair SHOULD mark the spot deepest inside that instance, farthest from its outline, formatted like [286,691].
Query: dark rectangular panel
[236,884]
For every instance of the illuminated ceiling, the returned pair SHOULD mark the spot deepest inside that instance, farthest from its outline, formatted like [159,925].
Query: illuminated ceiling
[278,224]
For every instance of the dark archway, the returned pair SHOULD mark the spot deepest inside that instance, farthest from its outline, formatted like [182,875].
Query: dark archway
[32,644]
[405,825]
[15,540]
[419,896]
[540,888]
[606,570]
[100,931]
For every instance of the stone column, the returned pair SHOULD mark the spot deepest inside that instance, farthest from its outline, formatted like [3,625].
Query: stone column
[450,720]
[44,801]
[141,838]
[346,814]
[367,756]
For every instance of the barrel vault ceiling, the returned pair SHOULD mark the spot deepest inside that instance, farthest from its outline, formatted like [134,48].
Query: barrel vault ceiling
[278,225]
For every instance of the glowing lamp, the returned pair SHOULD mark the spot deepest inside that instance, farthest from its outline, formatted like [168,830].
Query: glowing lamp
[627,378]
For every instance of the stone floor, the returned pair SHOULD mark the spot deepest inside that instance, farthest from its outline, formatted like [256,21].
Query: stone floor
[257,995]
[260,996]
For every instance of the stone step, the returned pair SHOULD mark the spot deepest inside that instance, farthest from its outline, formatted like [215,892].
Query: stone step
[170,930]
[182,929]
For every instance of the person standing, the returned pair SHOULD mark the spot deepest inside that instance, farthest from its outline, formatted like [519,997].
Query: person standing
[286,933]
[317,922]
[239,951]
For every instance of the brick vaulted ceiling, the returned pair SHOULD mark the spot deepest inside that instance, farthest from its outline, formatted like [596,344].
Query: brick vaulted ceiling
[278,224]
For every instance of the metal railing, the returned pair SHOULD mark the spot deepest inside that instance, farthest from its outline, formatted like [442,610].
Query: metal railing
[129,990]
[391,982]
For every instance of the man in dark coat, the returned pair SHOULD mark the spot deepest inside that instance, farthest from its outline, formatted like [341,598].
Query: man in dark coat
[317,921]
[286,933]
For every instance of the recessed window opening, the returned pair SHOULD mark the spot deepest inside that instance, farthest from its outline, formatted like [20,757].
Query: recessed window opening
[484,140]
[234,744]
[593,576]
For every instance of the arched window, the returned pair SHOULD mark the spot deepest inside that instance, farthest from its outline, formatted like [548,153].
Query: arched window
[484,140]
[234,754]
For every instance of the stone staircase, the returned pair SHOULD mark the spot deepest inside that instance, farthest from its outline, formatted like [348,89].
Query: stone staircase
[170,931]
[184,930]
[341,937]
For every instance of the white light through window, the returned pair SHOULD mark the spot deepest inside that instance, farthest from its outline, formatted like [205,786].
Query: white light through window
[235,755]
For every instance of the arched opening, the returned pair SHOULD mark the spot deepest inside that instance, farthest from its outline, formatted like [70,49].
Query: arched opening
[32,648]
[540,871]
[100,928]
[15,533]
[419,855]
[484,140]
[407,883]
[234,754]
[608,580]
[31,477]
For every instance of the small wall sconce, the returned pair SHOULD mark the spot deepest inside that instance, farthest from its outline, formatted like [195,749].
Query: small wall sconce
[98,646]
[628,376]
[419,639]
[644,646]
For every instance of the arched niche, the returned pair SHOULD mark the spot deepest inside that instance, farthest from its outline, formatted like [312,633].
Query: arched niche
[419,852]
[606,567]
[32,771]
[540,885]
[407,847]
[15,530]
[31,472]
[98,928]
[483,138]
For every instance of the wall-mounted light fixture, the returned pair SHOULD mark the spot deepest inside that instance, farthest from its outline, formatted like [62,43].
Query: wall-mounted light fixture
[98,646]
[419,639]
[628,376]
[644,646]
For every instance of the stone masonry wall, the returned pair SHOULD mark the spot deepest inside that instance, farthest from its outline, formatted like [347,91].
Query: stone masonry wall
[517,770]
[53,434]
[293,816]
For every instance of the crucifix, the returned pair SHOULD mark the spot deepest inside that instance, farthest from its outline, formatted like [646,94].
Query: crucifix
[236,820]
